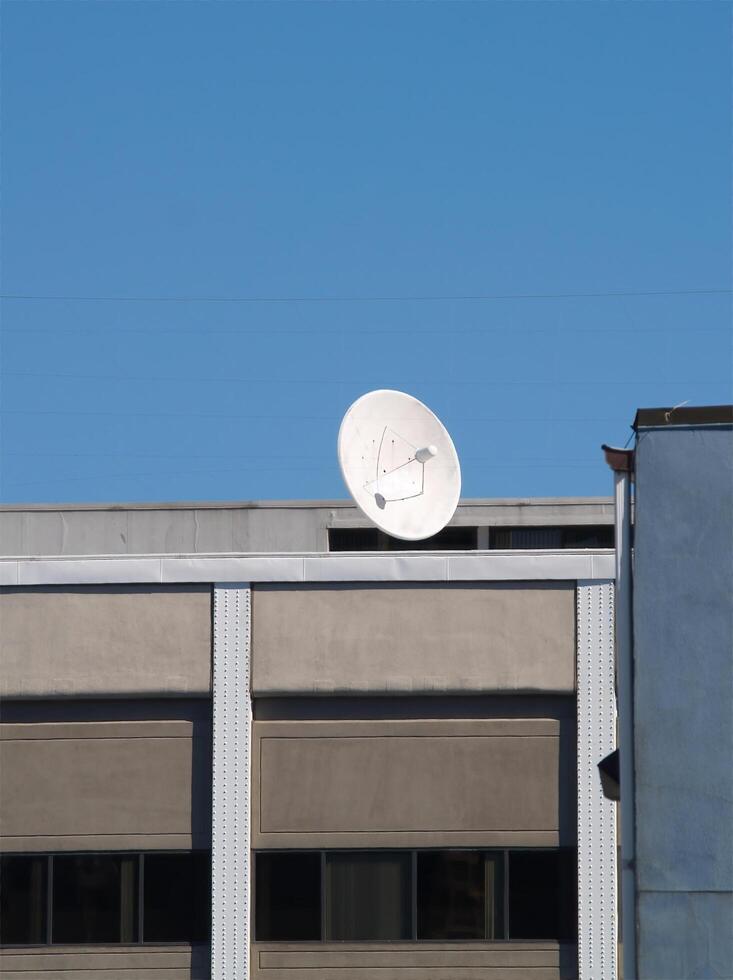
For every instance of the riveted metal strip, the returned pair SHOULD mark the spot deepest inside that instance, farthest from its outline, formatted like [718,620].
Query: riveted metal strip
[230,862]
[597,912]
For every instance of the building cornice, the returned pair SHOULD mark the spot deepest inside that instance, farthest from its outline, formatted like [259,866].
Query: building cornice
[495,566]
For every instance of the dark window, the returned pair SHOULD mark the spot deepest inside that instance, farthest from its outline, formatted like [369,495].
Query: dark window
[460,895]
[542,895]
[551,538]
[95,898]
[371,539]
[202,892]
[353,539]
[176,897]
[368,895]
[449,539]
[288,896]
[23,899]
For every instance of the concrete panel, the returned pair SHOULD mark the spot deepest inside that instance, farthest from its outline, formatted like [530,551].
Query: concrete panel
[9,572]
[280,526]
[159,532]
[106,842]
[426,961]
[105,641]
[488,637]
[74,532]
[686,935]
[93,781]
[402,783]
[504,567]
[413,708]
[279,568]
[88,571]
[213,531]
[180,962]
[11,533]
[515,566]
[365,568]
[284,529]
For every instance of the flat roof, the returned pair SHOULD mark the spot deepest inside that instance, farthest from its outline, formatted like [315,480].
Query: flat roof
[246,527]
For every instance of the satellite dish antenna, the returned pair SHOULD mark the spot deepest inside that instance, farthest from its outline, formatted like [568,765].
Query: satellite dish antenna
[399,464]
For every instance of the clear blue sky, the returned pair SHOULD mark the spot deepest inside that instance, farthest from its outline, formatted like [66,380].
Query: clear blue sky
[355,169]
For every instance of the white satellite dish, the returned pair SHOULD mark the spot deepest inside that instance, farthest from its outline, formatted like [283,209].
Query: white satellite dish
[399,464]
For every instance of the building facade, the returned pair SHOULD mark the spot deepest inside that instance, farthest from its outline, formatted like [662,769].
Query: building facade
[683,692]
[263,740]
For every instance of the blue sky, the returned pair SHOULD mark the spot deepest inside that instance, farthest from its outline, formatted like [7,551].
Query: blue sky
[248,214]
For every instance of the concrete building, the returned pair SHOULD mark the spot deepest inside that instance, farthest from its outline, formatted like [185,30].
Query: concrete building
[683,692]
[263,740]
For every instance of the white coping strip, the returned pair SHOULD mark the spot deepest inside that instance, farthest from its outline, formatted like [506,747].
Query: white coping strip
[309,567]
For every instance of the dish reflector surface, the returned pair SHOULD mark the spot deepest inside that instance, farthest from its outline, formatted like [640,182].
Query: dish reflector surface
[399,464]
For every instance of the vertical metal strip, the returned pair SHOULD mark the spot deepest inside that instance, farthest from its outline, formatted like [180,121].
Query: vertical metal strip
[230,826]
[596,706]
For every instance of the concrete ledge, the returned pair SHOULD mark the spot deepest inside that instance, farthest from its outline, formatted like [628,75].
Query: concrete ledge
[567,565]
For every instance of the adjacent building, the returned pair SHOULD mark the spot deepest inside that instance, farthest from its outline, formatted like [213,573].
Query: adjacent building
[683,692]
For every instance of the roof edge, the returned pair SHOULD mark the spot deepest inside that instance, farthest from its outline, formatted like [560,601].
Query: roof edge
[683,415]
[294,504]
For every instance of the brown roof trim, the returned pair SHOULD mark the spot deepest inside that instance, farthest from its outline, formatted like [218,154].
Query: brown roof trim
[684,415]
[620,460]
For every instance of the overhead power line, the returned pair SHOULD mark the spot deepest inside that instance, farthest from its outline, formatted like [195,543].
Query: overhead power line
[460,382]
[276,418]
[476,297]
[343,332]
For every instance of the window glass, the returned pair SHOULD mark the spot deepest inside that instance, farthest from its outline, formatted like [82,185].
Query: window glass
[542,895]
[368,895]
[202,895]
[95,898]
[353,539]
[175,897]
[22,899]
[288,896]
[588,536]
[460,895]
[449,539]
[370,539]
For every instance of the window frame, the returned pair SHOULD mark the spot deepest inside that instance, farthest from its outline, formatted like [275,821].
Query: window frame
[140,867]
[413,851]
[48,884]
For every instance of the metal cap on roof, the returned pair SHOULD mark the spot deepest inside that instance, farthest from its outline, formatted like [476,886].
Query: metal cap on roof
[684,415]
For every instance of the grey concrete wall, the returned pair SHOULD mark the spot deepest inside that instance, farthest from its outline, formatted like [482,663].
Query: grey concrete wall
[105,641]
[105,785]
[507,637]
[399,961]
[269,526]
[683,704]
[413,783]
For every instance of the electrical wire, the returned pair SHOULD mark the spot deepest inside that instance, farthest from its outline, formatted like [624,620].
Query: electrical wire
[344,381]
[279,418]
[476,297]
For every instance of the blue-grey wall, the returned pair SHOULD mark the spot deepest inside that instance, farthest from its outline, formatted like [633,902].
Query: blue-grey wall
[683,702]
